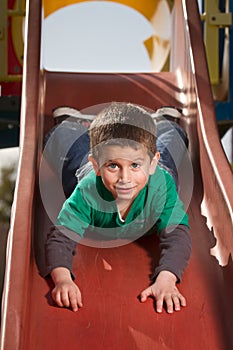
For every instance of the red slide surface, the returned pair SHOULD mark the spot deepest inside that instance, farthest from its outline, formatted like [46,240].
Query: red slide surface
[111,279]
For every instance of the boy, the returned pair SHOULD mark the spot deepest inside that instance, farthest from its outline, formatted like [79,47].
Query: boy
[124,196]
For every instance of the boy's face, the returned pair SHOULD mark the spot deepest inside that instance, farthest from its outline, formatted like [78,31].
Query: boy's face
[124,170]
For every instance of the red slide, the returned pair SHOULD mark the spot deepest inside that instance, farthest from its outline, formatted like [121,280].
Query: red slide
[111,279]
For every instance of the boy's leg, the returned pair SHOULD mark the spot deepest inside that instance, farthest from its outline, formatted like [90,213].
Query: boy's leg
[172,144]
[66,149]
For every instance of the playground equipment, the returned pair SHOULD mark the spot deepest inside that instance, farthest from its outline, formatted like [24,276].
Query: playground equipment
[114,318]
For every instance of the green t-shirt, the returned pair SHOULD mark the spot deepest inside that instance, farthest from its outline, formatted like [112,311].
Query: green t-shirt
[91,208]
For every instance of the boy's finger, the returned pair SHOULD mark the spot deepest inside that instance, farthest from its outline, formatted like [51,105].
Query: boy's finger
[145,294]
[73,301]
[159,305]
[182,300]
[169,303]
[65,299]
[176,302]
[57,298]
[79,299]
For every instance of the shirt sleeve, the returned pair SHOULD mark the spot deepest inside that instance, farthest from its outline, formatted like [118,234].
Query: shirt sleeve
[75,213]
[176,246]
[59,251]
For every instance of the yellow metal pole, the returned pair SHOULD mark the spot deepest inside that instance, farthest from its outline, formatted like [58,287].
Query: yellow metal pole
[214,19]
[3,40]
[17,27]
[4,14]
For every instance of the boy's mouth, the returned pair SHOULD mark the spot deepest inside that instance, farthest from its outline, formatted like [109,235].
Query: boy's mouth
[124,189]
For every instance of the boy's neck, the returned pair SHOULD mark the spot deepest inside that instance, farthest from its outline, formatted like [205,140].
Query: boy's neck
[124,208]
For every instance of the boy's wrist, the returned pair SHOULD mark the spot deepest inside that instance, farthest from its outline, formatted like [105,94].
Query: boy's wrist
[60,274]
[168,275]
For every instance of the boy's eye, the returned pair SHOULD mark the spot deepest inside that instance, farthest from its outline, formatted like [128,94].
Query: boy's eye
[135,165]
[112,165]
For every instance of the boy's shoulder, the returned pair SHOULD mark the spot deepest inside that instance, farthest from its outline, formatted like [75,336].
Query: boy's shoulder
[93,186]
[88,180]
[161,183]
[161,176]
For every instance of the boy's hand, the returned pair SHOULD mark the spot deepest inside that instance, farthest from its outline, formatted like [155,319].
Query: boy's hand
[65,293]
[164,290]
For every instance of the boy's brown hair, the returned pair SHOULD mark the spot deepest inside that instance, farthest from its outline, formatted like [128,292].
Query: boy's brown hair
[123,124]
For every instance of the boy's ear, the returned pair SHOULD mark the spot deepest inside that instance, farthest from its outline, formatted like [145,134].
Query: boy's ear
[95,164]
[154,163]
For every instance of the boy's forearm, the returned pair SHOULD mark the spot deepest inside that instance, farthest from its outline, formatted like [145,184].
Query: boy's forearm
[59,251]
[175,251]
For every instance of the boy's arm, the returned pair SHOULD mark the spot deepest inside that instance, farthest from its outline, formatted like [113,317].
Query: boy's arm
[65,293]
[164,291]
[59,257]
[176,246]
[59,251]
[175,253]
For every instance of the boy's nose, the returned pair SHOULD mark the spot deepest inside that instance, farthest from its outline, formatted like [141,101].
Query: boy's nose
[125,175]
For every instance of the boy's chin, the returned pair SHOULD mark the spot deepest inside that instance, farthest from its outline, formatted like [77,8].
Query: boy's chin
[125,197]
